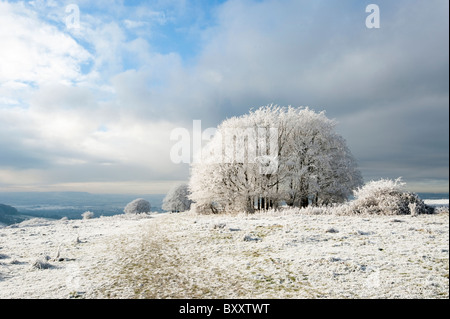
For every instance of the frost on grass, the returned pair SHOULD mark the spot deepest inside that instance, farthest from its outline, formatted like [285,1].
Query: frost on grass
[161,267]
[294,256]
[33,222]
[188,255]
[169,263]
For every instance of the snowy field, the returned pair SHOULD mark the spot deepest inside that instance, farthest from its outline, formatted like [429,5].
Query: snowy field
[265,255]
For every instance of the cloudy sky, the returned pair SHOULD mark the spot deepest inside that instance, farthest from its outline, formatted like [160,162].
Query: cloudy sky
[91,90]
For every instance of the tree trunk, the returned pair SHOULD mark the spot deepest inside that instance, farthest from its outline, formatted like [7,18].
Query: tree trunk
[250,205]
[304,201]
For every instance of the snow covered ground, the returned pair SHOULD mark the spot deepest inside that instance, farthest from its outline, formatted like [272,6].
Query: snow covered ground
[436,202]
[265,255]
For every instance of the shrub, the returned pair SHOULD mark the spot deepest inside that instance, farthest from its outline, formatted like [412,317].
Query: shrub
[441,210]
[386,197]
[87,215]
[137,206]
[41,263]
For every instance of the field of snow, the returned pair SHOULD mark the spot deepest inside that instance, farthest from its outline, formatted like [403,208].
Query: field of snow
[265,255]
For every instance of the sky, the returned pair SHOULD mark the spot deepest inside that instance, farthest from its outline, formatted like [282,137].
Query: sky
[90,91]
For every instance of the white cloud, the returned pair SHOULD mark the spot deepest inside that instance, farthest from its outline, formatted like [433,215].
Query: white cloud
[75,145]
[131,24]
[35,52]
[72,123]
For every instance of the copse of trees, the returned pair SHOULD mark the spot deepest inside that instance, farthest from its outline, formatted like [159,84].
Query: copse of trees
[270,156]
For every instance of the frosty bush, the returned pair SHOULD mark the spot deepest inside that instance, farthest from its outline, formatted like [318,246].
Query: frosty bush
[441,210]
[41,263]
[87,215]
[385,197]
[137,206]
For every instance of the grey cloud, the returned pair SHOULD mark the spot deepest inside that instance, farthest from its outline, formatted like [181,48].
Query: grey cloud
[309,54]
[107,172]
[16,156]
[388,87]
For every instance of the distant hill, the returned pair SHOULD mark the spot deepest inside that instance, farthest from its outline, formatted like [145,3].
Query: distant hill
[8,215]
[72,204]
[7,210]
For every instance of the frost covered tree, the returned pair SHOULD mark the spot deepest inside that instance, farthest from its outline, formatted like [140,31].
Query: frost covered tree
[137,206]
[318,165]
[272,155]
[177,199]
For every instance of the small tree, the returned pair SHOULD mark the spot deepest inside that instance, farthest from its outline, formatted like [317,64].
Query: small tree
[137,206]
[177,199]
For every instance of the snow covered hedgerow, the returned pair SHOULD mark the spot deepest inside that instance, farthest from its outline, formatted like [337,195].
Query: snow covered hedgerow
[386,197]
[137,206]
